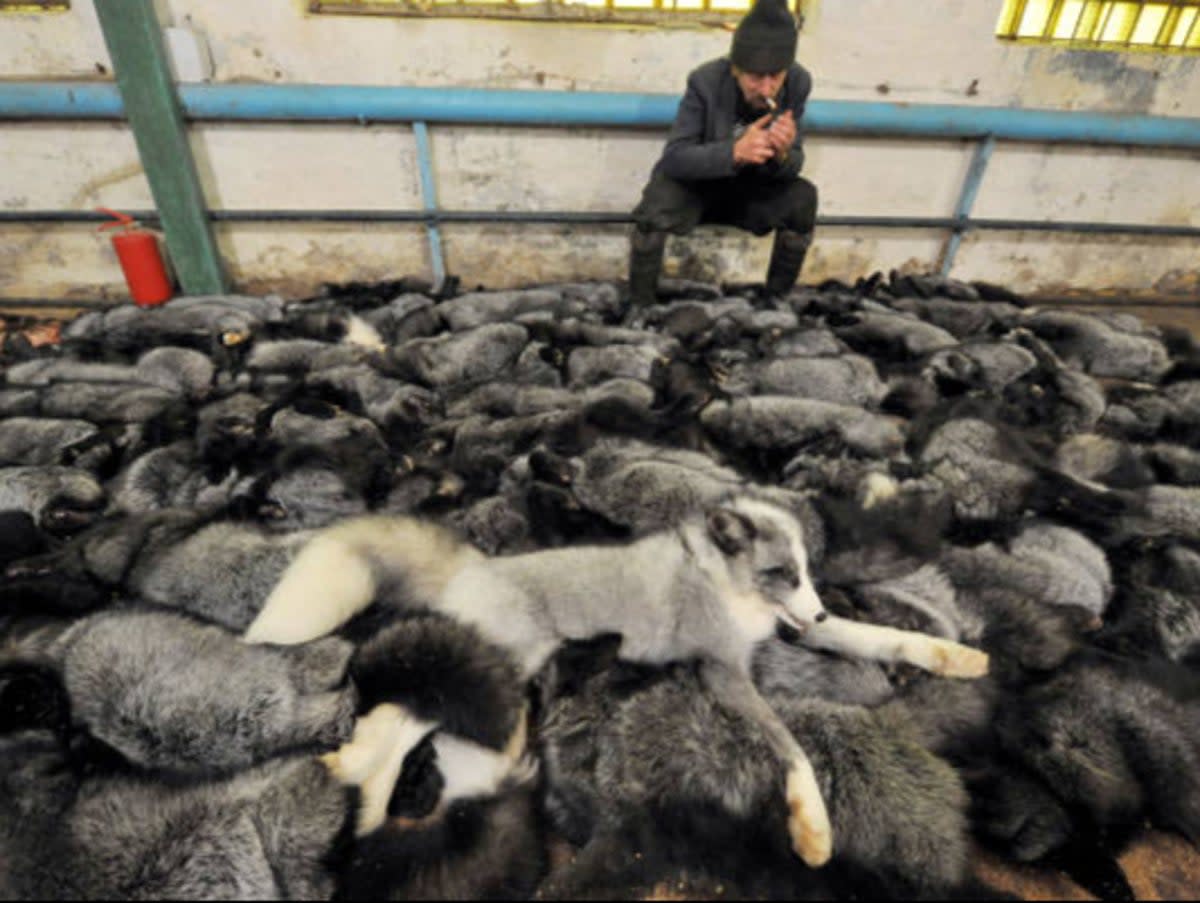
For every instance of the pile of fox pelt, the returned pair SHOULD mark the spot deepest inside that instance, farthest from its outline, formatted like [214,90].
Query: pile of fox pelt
[1022,480]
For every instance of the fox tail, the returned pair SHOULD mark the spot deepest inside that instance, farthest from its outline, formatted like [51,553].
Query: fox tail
[338,573]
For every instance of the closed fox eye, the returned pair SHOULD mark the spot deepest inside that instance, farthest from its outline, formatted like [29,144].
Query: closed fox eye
[784,574]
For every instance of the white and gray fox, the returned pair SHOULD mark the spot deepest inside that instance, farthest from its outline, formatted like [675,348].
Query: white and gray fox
[710,588]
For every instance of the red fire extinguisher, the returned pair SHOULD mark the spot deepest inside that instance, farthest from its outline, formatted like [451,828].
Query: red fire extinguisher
[141,262]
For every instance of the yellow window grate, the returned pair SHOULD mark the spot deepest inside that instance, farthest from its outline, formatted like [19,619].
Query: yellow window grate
[1157,25]
[638,12]
[34,6]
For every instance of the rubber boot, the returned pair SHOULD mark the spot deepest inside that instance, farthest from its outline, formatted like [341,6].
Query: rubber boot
[787,257]
[645,263]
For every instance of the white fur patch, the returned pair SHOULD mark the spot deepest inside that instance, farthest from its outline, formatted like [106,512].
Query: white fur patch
[374,758]
[361,333]
[473,770]
[326,585]
[875,642]
[808,821]
[335,576]
[876,488]
[754,616]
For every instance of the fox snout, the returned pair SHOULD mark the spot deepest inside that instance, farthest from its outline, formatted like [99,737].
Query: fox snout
[803,607]
[792,631]
[790,628]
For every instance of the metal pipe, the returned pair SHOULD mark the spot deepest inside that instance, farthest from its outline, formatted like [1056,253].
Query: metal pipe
[374,103]
[1039,126]
[349,103]
[568,217]
[429,196]
[1028,225]
[966,200]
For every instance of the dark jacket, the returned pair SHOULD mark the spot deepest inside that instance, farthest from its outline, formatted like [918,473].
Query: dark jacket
[700,145]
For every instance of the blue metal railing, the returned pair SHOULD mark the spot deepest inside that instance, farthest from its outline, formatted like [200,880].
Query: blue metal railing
[372,103]
[421,106]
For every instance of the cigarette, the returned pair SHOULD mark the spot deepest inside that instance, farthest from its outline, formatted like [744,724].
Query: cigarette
[773,107]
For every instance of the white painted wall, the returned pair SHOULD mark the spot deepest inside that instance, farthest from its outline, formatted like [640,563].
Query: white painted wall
[936,51]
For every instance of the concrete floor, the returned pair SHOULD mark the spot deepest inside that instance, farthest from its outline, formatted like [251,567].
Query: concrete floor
[1157,865]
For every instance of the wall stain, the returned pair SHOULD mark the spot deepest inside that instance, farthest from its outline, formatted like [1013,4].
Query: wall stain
[839,262]
[1179,282]
[1127,87]
[15,255]
[1178,214]
[297,271]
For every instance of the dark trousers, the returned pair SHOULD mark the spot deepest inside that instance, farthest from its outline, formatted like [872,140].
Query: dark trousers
[756,205]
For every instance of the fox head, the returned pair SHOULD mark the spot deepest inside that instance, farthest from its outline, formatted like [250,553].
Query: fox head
[763,547]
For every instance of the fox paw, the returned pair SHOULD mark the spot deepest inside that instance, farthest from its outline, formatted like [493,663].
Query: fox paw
[956,660]
[523,771]
[333,762]
[373,735]
[351,764]
[519,740]
[808,820]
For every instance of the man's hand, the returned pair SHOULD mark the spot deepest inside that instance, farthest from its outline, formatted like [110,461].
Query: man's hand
[755,144]
[781,134]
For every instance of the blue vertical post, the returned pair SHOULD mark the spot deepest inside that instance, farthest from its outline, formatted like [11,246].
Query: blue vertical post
[966,200]
[429,197]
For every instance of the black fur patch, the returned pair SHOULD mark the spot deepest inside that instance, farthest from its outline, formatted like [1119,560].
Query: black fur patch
[421,782]
[19,537]
[445,672]
[32,696]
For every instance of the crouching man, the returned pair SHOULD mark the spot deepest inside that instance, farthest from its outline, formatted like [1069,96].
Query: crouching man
[734,155]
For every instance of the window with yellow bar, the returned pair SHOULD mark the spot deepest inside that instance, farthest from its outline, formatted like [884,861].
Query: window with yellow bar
[1165,26]
[34,6]
[638,12]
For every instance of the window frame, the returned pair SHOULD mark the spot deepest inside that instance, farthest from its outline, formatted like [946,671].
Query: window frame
[546,11]
[1095,18]
[34,6]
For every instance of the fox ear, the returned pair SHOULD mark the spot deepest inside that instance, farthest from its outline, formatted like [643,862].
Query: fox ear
[730,530]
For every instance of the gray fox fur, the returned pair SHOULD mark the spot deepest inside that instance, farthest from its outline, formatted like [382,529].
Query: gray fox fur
[44,441]
[176,696]
[61,499]
[268,833]
[217,570]
[620,746]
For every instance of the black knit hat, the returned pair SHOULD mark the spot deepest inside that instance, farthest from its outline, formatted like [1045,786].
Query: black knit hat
[765,40]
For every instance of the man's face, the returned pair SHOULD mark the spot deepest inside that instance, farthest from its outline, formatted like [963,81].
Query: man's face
[756,87]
